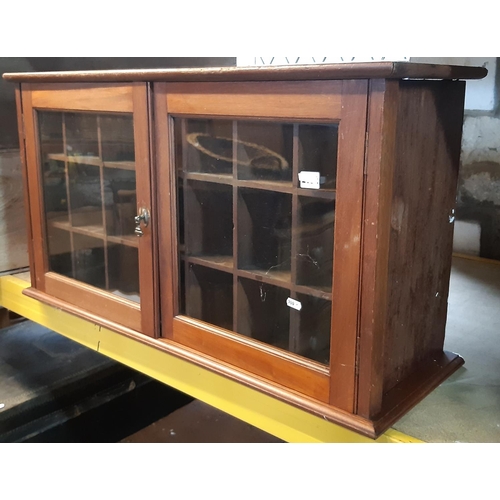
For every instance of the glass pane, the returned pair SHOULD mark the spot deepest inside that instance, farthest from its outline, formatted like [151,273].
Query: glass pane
[264,232]
[120,202]
[208,221]
[209,295]
[85,196]
[123,271]
[318,152]
[311,336]
[314,257]
[255,248]
[117,138]
[263,313]
[205,146]
[88,255]
[81,135]
[89,188]
[264,151]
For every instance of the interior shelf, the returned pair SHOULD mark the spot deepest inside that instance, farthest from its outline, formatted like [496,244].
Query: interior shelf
[271,276]
[207,177]
[278,278]
[95,231]
[267,185]
[274,186]
[220,262]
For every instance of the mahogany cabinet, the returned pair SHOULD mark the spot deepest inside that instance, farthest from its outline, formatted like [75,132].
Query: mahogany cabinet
[290,228]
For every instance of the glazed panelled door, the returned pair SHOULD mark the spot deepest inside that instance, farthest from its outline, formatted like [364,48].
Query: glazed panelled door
[91,161]
[265,199]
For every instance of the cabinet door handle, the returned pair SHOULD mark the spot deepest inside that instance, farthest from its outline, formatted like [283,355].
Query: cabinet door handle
[142,216]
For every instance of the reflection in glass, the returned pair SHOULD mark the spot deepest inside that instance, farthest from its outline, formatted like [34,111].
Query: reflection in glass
[208,146]
[81,135]
[89,188]
[264,151]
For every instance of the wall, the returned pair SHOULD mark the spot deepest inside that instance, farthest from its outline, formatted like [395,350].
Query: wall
[479,185]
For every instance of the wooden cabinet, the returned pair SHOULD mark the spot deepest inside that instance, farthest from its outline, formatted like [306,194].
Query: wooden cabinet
[290,228]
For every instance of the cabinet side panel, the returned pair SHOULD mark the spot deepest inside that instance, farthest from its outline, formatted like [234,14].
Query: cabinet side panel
[427,155]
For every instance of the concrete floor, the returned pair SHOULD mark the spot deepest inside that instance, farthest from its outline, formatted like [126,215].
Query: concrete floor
[198,422]
[466,408]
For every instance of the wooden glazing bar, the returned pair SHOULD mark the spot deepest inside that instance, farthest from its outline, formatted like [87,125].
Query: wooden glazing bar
[294,315]
[68,197]
[187,275]
[235,226]
[103,204]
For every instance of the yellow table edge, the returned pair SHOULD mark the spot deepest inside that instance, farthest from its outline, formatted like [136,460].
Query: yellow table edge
[265,412]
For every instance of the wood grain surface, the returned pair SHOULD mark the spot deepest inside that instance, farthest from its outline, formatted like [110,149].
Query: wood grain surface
[363,70]
[75,97]
[318,100]
[379,173]
[421,239]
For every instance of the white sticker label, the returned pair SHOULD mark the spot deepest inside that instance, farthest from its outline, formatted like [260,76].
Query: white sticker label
[294,304]
[309,180]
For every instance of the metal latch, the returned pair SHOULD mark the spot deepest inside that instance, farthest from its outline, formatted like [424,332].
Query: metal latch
[142,216]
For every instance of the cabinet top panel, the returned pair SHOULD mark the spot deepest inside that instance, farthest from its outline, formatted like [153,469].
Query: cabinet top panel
[388,70]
